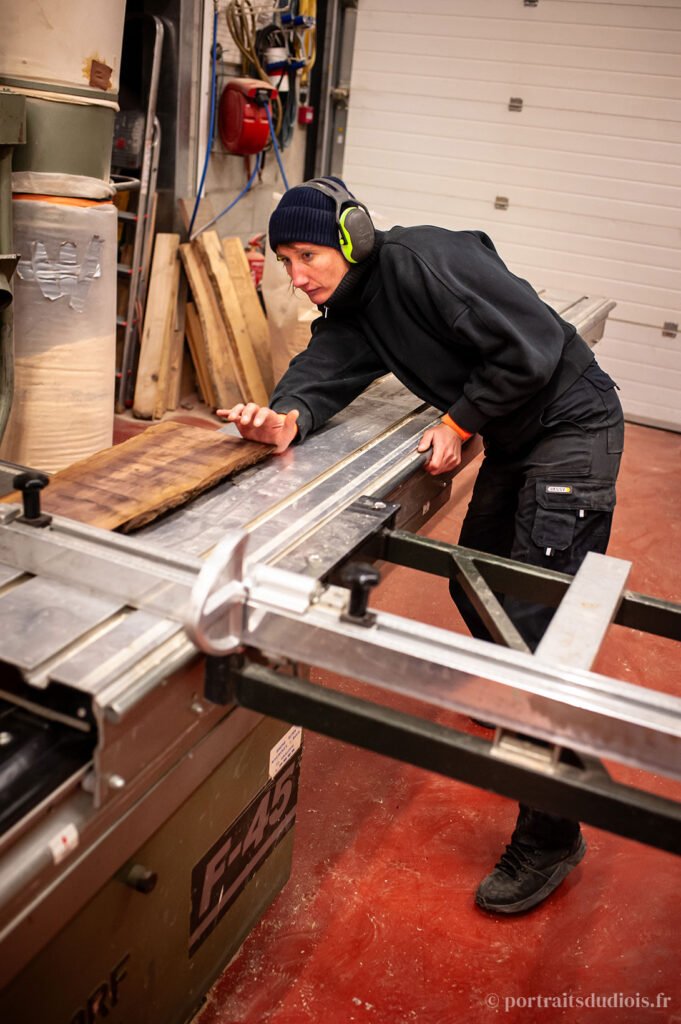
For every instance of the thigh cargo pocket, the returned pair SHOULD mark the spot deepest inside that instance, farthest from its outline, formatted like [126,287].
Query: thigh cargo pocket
[570,514]
[614,418]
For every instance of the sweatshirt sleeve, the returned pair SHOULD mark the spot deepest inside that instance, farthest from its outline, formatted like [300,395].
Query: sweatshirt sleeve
[331,372]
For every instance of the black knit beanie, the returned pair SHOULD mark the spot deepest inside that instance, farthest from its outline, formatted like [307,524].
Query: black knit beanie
[305,215]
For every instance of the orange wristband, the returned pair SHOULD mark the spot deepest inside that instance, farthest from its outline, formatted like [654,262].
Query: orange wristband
[449,422]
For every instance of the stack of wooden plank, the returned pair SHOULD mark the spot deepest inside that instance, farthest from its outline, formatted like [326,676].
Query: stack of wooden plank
[223,321]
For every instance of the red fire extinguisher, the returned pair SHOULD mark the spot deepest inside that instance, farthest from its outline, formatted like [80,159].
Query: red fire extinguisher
[256,258]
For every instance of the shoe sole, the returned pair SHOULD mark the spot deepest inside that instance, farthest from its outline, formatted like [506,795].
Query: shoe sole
[561,872]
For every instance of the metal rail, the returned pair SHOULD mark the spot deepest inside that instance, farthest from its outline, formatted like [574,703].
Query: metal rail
[503,575]
[579,790]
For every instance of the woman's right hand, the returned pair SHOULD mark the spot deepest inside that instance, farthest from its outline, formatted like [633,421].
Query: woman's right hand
[258,423]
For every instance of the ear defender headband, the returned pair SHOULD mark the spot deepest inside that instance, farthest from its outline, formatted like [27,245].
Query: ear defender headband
[355,229]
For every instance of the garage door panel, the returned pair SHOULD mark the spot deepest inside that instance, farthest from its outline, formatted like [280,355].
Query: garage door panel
[649,338]
[588,169]
[377,100]
[647,375]
[632,257]
[623,273]
[409,44]
[652,304]
[522,145]
[635,3]
[567,12]
[516,76]
[380,148]
[444,187]
[554,98]
[461,213]
[639,412]
[525,27]
[653,391]
[633,304]
[639,355]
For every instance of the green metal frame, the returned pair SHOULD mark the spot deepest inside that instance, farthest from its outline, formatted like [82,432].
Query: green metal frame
[495,575]
[545,776]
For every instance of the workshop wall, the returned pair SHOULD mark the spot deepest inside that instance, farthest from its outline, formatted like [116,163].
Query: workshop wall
[555,127]
[228,173]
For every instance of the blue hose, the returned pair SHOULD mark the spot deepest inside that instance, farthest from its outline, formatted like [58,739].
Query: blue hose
[212,119]
[243,192]
[276,146]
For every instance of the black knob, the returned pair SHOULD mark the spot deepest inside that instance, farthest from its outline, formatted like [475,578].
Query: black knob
[31,484]
[141,879]
[360,577]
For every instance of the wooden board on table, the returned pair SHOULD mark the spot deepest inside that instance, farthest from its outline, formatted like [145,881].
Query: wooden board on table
[243,355]
[256,321]
[159,323]
[213,340]
[134,482]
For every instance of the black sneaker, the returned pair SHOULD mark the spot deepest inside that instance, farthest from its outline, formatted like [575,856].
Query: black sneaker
[525,876]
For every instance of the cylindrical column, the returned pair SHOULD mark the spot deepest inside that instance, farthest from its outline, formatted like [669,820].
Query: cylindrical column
[64,324]
[65,59]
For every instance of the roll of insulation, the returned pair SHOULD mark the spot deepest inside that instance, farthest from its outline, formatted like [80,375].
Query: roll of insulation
[64,329]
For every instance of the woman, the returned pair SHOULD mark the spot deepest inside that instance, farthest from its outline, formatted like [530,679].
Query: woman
[441,311]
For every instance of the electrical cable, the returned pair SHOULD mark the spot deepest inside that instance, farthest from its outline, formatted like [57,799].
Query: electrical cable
[290,110]
[241,24]
[305,44]
[276,147]
[211,130]
[243,192]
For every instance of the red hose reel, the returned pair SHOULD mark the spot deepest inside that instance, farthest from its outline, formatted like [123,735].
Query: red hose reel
[242,116]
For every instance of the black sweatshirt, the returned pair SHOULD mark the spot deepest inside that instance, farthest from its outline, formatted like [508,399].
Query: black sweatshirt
[441,311]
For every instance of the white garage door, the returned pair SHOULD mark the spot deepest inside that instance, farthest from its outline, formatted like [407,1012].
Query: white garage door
[554,126]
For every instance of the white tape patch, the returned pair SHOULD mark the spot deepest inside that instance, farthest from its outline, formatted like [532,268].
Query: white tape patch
[63,843]
[284,750]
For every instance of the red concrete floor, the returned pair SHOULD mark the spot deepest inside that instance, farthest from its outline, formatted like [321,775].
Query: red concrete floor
[378,924]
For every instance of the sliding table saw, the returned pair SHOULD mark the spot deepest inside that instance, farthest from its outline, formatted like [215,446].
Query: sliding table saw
[152,689]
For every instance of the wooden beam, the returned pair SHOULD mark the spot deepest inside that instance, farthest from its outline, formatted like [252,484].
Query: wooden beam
[216,347]
[176,355]
[197,349]
[254,315]
[243,356]
[159,321]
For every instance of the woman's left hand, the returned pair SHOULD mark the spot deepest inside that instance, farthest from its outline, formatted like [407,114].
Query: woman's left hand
[446,445]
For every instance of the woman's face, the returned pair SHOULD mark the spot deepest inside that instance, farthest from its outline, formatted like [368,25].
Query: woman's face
[316,270]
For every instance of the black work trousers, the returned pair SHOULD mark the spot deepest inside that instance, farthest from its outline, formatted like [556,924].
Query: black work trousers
[548,503]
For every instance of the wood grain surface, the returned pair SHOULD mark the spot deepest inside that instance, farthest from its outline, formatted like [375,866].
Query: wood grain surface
[132,483]
[256,321]
[216,347]
[235,328]
[192,327]
[153,369]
